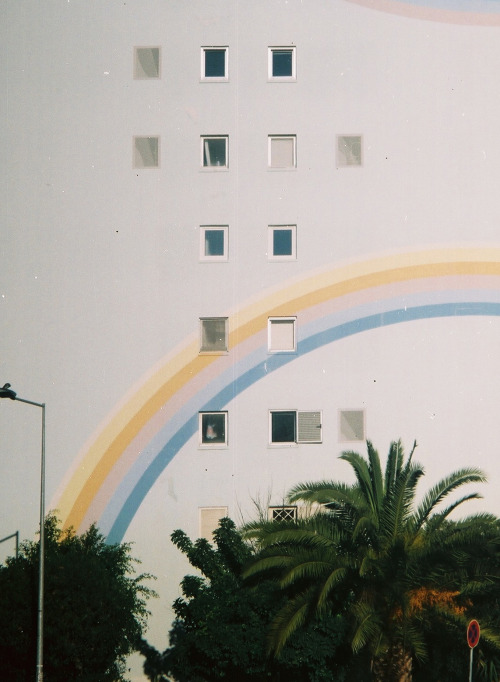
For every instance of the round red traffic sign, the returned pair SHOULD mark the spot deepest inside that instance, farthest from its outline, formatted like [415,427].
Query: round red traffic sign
[473,633]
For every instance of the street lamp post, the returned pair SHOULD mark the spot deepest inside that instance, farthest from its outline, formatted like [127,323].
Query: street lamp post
[7,392]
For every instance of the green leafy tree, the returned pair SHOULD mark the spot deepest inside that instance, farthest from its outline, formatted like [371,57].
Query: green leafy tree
[94,608]
[391,566]
[220,630]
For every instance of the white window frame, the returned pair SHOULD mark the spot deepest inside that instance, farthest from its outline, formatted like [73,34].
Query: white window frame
[203,442]
[138,72]
[136,153]
[344,437]
[339,155]
[205,138]
[215,79]
[211,259]
[215,351]
[277,321]
[315,416]
[220,512]
[289,511]
[270,139]
[281,79]
[270,243]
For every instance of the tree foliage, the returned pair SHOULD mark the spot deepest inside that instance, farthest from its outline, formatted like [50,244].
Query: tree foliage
[94,608]
[221,624]
[399,571]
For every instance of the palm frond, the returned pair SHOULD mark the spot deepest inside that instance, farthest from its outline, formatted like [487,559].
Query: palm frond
[375,470]
[442,489]
[321,492]
[288,619]
[368,628]
[394,464]
[334,579]
[438,518]
[363,477]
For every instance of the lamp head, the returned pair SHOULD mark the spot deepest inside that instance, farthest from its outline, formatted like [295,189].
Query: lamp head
[7,392]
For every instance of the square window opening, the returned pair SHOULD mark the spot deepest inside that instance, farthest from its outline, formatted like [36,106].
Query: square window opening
[213,335]
[146,152]
[349,150]
[281,63]
[213,244]
[146,62]
[213,428]
[351,426]
[281,334]
[214,63]
[282,242]
[282,151]
[283,427]
[289,427]
[283,513]
[209,520]
[214,152]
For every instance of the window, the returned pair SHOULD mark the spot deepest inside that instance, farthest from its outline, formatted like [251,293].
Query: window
[282,151]
[351,425]
[282,513]
[146,62]
[209,520]
[146,152]
[214,152]
[348,150]
[281,334]
[213,335]
[281,63]
[214,63]
[288,427]
[213,243]
[282,242]
[213,428]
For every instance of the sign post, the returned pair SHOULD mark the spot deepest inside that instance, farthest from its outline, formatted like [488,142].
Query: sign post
[473,632]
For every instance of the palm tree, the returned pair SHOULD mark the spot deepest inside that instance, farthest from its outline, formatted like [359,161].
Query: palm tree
[369,551]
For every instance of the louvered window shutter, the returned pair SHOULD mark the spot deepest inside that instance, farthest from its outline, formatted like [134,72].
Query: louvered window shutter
[309,427]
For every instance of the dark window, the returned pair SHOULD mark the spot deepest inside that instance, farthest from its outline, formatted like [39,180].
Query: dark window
[213,428]
[283,427]
[215,151]
[214,242]
[282,242]
[282,64]
[215,63]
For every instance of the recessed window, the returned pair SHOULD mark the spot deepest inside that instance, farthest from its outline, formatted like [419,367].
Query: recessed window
[282,242]
[282,151]
[282,513]
[281,63]
[209,520]
[281,334]
[288,427]
[213,243]
[213,428]
[214,152]
[146,62]
[214,63]
[146,152]
[213,335]
[351,425]
[349,150]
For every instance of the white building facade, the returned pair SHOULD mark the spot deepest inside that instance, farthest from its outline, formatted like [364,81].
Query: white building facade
[240,238]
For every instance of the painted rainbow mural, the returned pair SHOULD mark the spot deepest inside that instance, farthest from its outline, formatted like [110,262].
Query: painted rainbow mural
[466,12]
[116,471]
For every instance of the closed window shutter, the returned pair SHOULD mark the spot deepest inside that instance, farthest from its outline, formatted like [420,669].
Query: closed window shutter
[282,152]
[282,335]
[209,520]
[309,427]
